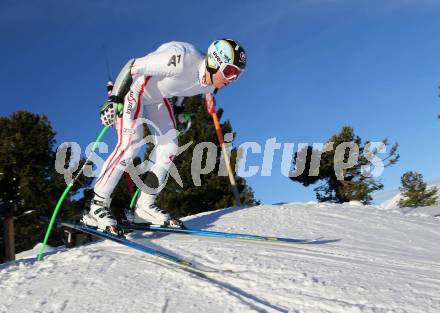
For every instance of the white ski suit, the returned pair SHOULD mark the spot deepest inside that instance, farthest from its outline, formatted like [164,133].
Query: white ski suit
[174,69]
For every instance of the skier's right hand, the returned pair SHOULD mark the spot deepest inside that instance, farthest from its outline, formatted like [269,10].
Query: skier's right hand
[210,103]
[111,109]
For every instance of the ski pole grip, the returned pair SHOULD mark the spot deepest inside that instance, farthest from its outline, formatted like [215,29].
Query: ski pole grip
[120,108]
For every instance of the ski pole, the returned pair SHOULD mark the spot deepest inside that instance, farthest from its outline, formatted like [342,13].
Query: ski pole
[65,193]
[134,198]
[210,105]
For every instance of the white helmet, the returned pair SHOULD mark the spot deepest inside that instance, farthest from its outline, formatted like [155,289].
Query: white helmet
[228,56]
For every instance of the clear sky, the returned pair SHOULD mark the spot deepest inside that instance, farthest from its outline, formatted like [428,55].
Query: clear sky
[313,67]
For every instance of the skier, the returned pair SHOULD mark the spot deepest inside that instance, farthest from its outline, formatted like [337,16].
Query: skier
[175,69]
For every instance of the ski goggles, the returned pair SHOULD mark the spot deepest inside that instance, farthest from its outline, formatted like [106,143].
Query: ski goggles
[230,71]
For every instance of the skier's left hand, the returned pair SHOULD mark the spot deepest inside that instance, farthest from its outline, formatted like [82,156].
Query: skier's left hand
[183,121]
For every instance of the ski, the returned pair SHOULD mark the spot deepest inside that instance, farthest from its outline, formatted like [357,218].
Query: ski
[208,233]
[131,244]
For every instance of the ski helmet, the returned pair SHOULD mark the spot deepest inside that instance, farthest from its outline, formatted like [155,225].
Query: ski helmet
[228,56]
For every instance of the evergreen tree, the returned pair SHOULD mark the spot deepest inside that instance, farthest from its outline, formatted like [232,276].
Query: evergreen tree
[215,191]
[355,184]
[29,181]
[415,193]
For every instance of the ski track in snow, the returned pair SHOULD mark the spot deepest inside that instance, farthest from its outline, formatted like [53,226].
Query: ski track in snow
[384,262]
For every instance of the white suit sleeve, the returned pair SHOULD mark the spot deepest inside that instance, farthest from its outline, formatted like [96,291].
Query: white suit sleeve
[163,62]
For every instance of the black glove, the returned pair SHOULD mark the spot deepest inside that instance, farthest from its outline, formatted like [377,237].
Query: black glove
[111,109]
[183,119]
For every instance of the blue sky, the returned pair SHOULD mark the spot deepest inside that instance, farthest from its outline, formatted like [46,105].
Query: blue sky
[313,67]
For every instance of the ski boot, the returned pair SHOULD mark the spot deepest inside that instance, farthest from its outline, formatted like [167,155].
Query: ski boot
[153,215]
[101,217]
[146,211]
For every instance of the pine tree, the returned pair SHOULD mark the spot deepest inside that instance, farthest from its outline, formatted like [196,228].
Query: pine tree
[355,185]
[414,191]
[29,181]
[215,191]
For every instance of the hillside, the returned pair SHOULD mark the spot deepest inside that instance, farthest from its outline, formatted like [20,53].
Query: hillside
[385,261]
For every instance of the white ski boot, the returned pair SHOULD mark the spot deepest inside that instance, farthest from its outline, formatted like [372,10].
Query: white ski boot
[100,216]
[147,212]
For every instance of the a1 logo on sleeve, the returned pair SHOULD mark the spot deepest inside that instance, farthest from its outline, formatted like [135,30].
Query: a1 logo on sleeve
[174,60]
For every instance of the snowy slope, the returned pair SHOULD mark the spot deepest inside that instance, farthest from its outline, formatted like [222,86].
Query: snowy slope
[385,262]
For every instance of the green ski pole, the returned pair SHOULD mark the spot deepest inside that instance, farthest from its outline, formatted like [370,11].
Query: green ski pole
[65,193]
[133,200]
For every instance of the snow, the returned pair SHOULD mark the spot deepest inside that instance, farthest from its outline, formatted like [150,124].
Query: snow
[385,261]
[32,253]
